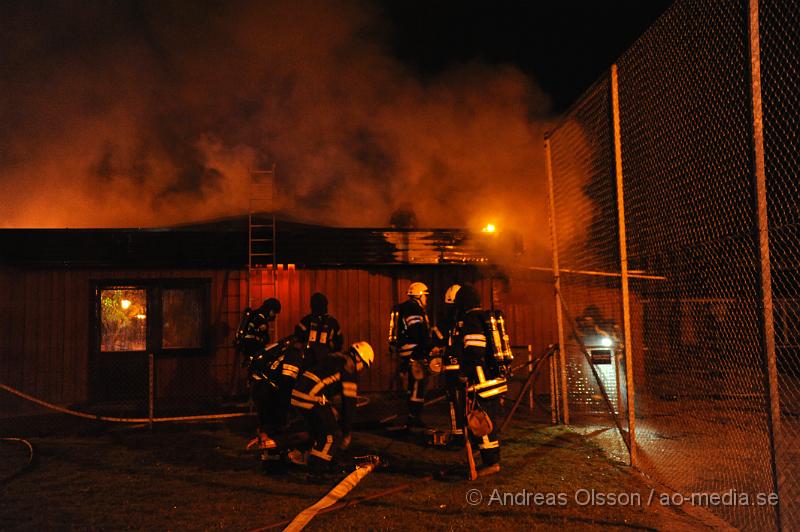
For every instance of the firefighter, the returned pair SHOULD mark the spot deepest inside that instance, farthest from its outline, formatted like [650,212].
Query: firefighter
[292,364]
[413,347]
[272,374]
[450,364]
[336,374]
[254,334]
[484,383]
[253,342]
[319,331]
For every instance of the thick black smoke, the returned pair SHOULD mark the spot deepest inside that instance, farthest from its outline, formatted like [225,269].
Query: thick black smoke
[153,113]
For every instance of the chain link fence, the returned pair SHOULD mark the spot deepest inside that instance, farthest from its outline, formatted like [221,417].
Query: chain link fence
[780,74]
[715,386]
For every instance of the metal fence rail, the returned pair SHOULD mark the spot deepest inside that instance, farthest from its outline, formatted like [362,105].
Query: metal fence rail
[677,176]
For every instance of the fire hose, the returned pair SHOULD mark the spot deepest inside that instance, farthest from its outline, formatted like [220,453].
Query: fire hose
[332,497]
[98,417]
[361,402]
[347,504]
[27,465]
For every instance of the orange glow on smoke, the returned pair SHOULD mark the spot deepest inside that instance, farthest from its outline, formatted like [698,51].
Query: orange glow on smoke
[346,124]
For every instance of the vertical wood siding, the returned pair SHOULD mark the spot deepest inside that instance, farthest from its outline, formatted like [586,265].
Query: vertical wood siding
[45,321]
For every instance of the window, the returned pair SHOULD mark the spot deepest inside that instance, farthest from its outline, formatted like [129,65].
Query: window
[123,319]
[163,317]
[182,312]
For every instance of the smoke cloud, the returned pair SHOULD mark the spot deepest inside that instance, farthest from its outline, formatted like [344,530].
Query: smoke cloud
[137,114]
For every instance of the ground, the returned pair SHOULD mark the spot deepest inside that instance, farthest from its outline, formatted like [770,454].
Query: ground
[87,475]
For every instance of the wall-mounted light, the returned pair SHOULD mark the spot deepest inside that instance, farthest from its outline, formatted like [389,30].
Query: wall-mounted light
[125,303]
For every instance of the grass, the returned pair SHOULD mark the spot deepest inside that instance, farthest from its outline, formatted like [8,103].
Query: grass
[89,476]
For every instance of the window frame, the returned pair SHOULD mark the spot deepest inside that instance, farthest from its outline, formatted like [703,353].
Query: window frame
[154,289]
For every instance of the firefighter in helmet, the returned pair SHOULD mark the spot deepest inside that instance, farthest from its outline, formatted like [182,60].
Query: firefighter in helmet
[272,374]
[484,384]
[336,374]
[413,346]
[255,346]
[255,333]
[319,331]
[264,367]
[450,363]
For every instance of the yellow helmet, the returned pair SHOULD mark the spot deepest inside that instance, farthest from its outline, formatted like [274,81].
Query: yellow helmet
[450,294]
[363,351]
[417,290]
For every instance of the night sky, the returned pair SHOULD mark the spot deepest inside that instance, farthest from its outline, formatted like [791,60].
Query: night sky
[564,46]
[140,114]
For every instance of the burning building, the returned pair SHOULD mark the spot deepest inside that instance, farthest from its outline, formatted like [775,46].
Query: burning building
[91,315]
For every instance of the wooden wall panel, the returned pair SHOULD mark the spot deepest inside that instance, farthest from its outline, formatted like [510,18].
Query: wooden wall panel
[215,322]
[297,302]
[45,331]
[6,325]
[373,333]
[27,299]
[226,329]
[30,349]
[83,306]
[69,389]
[55,381]
[34,365]
[44,354]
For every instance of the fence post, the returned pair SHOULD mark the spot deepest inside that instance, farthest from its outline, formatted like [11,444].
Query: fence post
[150,388]
[553,397]
[623,256]
[767,323]
[530,370]
[562,349]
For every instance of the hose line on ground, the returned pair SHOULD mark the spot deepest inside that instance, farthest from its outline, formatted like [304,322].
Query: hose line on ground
[21,470]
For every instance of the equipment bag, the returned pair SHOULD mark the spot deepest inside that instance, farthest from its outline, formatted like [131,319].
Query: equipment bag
[479,423]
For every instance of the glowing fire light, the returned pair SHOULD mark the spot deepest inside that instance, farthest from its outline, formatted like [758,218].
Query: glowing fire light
[140,316]
[489,228]
[125,303]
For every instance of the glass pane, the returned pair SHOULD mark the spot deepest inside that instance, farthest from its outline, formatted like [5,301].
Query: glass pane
[183,313]
[123,319]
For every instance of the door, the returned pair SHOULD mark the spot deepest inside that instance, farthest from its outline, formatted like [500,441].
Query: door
[119,368]
[168,318]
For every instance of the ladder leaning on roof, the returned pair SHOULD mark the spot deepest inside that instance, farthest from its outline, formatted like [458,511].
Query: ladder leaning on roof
[261,257]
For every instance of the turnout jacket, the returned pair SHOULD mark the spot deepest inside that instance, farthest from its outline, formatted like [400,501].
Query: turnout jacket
[257,330]
[277,370]
[319,385]
[414,337]
[320,334]
[470,346]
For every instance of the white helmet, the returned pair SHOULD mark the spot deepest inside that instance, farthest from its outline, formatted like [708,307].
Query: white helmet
[364,351]
[450,294]
[417,290]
